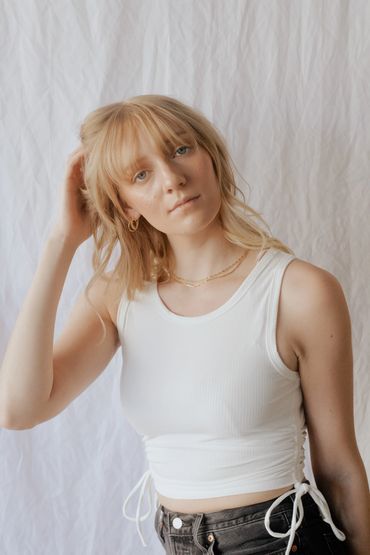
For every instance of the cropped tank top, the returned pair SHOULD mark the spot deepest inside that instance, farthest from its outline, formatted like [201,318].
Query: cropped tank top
[218,411]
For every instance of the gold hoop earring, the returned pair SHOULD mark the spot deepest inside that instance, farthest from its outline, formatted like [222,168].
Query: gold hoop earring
[133,225]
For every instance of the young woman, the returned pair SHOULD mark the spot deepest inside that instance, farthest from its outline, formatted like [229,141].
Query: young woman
[233,348]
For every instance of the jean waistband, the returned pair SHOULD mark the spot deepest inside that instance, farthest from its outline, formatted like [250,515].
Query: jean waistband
[254,512]
[294,499]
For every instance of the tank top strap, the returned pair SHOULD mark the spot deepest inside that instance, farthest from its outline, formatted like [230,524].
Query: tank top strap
[261,253]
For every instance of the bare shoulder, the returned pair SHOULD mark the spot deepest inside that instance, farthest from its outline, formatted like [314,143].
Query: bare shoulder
[309,293]
[300,273]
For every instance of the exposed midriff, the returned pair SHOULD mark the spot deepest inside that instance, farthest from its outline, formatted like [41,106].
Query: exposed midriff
[220,503]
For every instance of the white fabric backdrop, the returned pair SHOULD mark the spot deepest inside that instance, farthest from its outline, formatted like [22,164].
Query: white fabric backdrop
[288,85]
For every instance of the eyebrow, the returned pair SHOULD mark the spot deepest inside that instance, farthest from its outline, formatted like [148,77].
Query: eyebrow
[137,161]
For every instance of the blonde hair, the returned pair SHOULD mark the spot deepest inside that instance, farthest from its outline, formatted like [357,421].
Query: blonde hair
[109,136]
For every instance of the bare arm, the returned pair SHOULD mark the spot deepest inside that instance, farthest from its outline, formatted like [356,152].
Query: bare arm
[322,337]
[26,375]
[81,352]
[30,374]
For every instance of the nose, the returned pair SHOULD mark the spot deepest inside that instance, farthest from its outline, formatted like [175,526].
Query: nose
[172,175]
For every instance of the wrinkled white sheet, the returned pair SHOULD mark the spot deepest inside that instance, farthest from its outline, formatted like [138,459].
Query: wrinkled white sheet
[287,83]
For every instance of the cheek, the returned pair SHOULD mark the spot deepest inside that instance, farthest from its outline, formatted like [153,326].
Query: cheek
[148,203]
[151,207]
[138,201]
[124,198]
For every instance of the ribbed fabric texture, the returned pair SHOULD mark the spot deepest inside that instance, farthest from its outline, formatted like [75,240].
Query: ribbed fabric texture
[218,410]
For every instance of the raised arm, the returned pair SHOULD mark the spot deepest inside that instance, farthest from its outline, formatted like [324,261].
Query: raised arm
[32,365]
[26,375]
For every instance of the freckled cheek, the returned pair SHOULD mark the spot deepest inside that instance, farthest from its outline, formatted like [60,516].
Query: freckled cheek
[151,206]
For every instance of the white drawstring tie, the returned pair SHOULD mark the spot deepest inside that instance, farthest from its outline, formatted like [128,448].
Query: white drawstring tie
[145,485]
[300,488]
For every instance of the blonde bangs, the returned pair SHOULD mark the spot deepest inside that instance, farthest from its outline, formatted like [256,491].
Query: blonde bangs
[120,146]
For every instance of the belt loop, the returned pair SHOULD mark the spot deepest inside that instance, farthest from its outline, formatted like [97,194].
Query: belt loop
[166,517]
[158,515]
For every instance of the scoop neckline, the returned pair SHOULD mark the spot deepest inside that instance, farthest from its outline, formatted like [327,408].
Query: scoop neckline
[245,284]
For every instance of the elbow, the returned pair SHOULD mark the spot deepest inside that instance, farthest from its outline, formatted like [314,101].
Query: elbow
[7,424]
[17,427]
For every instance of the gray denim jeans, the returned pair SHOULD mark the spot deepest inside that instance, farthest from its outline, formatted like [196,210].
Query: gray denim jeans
[241,531]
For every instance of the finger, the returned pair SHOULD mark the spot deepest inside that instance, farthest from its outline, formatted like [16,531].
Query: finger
[77,152]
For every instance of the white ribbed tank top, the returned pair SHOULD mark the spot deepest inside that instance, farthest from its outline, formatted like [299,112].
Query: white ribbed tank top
[218,410]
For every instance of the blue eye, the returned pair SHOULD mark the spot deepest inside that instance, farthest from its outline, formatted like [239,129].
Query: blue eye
[183,146]
[143,171]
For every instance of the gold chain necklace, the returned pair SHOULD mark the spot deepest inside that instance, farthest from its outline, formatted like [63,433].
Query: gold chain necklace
[196,283]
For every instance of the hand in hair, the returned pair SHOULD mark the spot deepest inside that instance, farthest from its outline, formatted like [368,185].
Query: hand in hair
[74,221]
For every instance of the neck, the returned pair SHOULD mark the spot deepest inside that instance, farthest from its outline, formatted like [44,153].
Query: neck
[197,257]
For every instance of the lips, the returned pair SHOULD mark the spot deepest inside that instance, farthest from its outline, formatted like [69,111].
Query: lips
[183,201]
